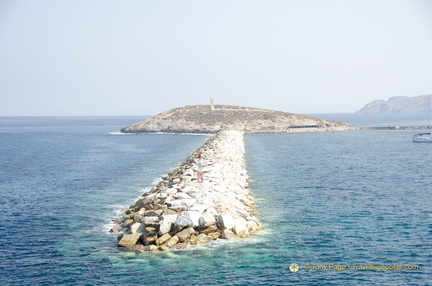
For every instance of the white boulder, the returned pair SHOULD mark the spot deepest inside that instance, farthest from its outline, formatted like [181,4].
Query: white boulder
[225,221]
[192,216]
[240,227]
[182,222]
[181,195]
[207,219]
[137,228]
[199,207]
[228,234]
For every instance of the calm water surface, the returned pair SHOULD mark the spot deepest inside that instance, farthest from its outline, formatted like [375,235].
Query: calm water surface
[323,198]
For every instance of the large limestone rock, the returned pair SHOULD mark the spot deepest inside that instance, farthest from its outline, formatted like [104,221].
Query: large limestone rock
[181,223]
[150,236]
[181,196]
[228,234]
[166,223]
[137,228]
[206,220]
[252,226]
[162,239]
[240,228]
[115,229]
[172,241]
[225,221]
[129,240]
[209,229]
[192,216]
[182,245]
[185,234]
[152,221]
[201,239]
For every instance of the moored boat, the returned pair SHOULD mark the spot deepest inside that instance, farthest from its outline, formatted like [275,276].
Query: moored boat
[425,137]
[422,138]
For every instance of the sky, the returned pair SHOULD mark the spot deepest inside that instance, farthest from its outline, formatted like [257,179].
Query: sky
[110,57]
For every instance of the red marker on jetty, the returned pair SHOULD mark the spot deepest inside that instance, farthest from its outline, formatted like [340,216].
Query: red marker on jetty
[200,175]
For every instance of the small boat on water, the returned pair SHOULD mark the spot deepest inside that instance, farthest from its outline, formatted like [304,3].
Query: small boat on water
[425,137]
[422,138]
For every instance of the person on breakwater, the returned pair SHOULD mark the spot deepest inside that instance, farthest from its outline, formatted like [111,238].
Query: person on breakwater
[200,175]
[186,208]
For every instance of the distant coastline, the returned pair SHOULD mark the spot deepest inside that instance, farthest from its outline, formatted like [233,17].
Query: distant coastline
[377,120]
[398,104]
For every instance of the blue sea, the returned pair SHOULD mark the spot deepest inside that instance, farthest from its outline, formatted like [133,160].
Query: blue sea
[355,199]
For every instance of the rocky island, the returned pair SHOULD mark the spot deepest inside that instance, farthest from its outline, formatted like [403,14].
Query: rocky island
[214,118]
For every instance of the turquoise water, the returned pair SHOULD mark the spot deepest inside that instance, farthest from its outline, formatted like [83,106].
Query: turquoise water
[346,198]
[323,198]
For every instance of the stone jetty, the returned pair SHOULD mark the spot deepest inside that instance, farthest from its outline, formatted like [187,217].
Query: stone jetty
[205,199]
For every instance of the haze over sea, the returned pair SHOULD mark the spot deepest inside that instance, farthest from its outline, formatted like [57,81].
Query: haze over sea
[343,198]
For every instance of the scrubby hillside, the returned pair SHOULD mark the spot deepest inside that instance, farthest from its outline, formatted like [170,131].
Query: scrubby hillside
[203,119]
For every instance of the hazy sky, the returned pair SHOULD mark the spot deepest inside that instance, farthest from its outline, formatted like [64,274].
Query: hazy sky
[110,57]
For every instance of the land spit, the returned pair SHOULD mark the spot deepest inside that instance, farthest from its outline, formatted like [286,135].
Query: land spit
[205,199]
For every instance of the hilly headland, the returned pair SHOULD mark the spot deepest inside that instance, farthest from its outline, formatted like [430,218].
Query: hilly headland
[397,104]
[215,118]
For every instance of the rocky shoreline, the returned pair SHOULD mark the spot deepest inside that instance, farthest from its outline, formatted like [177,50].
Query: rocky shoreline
[205,199]
[210,119]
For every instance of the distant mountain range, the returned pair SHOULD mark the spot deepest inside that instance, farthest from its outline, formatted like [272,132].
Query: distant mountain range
[398,104]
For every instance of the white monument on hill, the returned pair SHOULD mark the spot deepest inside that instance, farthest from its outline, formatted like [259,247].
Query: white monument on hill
[211,103]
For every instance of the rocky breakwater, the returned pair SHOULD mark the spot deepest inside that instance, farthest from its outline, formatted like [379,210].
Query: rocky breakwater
[205,199]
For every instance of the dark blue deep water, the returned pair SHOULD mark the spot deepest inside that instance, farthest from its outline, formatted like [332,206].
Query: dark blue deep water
[343,198]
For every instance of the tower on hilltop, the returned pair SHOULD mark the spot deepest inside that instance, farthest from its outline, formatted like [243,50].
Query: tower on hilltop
[211,103]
